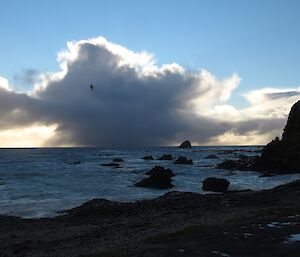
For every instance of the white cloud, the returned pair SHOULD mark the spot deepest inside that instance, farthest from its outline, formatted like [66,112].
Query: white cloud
[136,102]
[4,85]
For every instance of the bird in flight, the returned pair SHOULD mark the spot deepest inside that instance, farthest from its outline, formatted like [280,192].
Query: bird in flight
[92,87]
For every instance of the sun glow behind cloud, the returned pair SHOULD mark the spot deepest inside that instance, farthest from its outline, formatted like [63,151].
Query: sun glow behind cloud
[32,136]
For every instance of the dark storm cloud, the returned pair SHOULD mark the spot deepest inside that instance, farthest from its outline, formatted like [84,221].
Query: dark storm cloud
[134,103]
[124,108]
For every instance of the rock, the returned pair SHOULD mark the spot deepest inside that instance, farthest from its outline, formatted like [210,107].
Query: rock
[167,157]
[244,163]
[215,184]
[76,162]
[227,165]
[185,144]
[280,156]
[111,164]
[158,170]
[183,160]
[118,160]
[148,157]
[160,178]
[283,156]
[211,156]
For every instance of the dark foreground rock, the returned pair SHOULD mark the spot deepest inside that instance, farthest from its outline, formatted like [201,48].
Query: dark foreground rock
[160,178]
[215,185]
[185,144]
[165,157]
[176,224]
[183,160]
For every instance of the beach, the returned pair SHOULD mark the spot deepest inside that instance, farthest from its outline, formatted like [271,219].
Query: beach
[247,223]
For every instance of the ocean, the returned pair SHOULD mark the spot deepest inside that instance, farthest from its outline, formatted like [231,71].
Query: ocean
[41,182]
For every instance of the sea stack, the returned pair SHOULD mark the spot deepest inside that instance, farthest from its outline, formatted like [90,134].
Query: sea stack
[185,144]
[283,156]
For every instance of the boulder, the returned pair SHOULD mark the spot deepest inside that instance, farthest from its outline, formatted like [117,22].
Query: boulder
[166,157]
[148,157]
[160,178]
[215,184]
[158,170]
[186,144]
[76,162]
[183,160]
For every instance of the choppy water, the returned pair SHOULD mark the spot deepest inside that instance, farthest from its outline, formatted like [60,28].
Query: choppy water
[39,182]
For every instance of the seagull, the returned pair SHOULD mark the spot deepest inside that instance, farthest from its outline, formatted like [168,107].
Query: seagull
[92,87]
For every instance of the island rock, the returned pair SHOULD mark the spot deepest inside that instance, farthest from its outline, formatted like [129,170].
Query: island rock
[186,144]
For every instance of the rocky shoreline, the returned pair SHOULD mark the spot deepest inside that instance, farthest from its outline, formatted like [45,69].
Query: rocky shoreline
[175,224]
[280,156]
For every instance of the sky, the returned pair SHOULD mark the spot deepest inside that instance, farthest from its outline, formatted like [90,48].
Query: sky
[217,72]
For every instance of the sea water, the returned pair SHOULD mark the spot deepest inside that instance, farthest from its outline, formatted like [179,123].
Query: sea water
[40,182]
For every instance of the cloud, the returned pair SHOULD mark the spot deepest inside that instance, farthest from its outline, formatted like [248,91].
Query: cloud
[136,102]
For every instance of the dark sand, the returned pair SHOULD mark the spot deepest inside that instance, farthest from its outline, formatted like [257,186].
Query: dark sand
[176,224]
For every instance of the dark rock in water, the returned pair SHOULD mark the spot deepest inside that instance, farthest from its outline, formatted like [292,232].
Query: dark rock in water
[166,157]
[244,163]
[267,175]
[118,160]
[186,144]
[211,156]
[183,160]
[215,184]
[158,170]
[160,178]
[227,165]
[111,164]
[227,151]
[76,162]
[148,157]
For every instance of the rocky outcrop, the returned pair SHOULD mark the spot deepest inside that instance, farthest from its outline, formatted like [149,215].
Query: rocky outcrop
[160,178]
[280,155]
[283,156]
[215,184]
[186,144]
[165,157]
[183,160]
